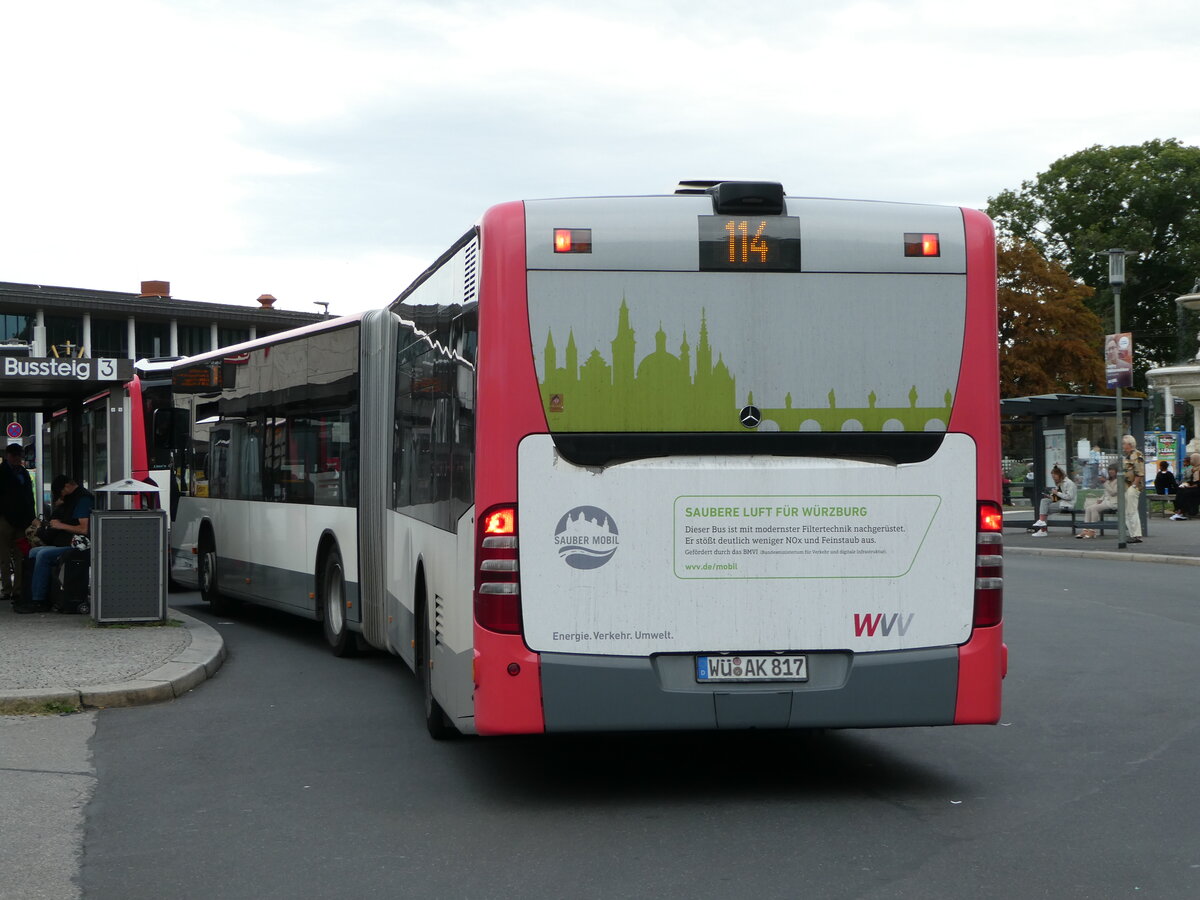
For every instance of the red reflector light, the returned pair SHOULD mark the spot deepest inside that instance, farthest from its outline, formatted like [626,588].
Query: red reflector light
[922,244]
[989,608]
[572,240]
[500,521]
[498,613]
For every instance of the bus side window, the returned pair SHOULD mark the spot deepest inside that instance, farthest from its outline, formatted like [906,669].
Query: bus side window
[219,457]
[170,429]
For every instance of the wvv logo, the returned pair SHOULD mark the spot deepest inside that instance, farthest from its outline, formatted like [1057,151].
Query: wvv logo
[872,622]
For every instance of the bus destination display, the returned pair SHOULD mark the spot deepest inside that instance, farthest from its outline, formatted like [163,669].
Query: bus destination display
[749,243]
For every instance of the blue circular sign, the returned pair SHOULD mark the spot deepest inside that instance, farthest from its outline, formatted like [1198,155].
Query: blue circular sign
[15,430]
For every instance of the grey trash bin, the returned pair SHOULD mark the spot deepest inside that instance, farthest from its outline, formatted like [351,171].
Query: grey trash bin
[129,565]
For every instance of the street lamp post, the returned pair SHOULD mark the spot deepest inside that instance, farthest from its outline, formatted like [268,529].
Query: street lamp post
[1116,280]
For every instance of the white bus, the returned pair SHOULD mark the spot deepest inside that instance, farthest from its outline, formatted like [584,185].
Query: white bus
[717,459]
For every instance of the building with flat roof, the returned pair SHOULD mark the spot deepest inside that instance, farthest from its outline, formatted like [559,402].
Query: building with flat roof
[63,337]
[150,323]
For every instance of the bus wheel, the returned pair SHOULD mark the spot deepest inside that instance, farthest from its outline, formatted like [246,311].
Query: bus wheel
[436,720]
[220,605]
[333,606]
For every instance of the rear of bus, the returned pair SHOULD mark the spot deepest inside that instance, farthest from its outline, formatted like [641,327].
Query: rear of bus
[738,465]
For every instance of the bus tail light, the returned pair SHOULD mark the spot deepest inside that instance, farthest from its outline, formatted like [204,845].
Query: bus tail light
[922,244]
[498,580]
[989,565]
[572,240]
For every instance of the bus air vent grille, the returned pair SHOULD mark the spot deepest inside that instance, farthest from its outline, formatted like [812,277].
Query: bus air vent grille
[470,267]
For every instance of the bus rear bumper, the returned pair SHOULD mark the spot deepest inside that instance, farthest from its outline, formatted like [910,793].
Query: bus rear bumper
[982,665]
[844,690]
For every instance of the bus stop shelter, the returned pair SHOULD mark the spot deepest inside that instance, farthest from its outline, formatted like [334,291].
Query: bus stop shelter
[1050,417]
[61,386]
[128,557]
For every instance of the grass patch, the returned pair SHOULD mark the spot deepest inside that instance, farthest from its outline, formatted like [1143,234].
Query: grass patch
[57,708]
[169,623]
[30,707]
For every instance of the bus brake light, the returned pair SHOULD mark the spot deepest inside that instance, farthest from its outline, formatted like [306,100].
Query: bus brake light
[500,521]
[922,244]
[572,240]
[497,576]
[989,566]
[991,517]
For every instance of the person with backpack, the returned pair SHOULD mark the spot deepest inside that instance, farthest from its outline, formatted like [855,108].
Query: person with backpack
[69,518]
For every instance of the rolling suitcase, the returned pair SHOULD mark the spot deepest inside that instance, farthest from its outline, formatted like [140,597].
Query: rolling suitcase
[69,587]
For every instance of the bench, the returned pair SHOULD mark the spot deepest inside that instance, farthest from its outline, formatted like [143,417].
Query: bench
[1108,517]
[1058,519]
[1074,517]
[1161,501]
[1062,517]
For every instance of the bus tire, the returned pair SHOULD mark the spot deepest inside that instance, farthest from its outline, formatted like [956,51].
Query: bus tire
[209,591]
[341,640]
[436,720]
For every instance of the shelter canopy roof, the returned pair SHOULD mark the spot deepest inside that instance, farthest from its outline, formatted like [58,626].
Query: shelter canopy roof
[1068,404]
[34,384]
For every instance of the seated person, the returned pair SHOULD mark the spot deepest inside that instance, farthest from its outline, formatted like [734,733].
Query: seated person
[69,518]
[1062,496]
[1164,481]
[1106,502]
[1187,492]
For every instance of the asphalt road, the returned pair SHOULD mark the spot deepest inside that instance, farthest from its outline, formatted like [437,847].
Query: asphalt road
[295,774]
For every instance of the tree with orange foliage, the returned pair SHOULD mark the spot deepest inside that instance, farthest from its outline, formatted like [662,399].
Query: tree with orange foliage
[1050,342]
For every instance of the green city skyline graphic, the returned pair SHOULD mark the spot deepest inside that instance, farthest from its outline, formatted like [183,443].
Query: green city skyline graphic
[663,391]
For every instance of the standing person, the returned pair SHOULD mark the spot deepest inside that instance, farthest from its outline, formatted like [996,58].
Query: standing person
[1135,473]
[69,518]
[1107,502]
[16,512]
[1062,495]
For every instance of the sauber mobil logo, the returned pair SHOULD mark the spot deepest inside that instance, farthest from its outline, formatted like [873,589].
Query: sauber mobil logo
[885,624]
[586,537]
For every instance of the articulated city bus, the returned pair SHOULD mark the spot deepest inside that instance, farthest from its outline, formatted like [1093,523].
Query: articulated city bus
[723,458]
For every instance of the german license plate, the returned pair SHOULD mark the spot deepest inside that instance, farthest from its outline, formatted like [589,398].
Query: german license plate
[765,667]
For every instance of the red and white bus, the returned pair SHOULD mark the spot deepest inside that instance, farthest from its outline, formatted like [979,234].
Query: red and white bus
[717,459]
[106,438]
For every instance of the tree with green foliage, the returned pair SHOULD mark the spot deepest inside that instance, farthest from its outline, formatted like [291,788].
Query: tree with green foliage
[1143,198]
[1050,342]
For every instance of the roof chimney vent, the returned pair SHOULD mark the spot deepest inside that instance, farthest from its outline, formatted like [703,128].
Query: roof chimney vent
[156,289]
[266,300]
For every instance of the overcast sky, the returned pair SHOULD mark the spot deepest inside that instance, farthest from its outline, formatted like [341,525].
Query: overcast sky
[328,151]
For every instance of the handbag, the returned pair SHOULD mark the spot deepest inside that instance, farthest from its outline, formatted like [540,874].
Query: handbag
[54,537]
